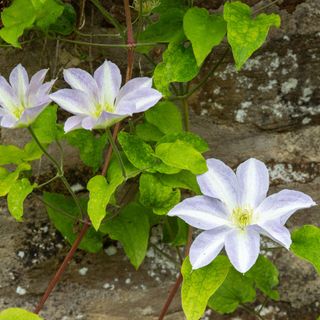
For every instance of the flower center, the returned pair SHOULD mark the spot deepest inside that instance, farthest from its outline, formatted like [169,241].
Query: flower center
[18,111]
[242,217]
[100,108]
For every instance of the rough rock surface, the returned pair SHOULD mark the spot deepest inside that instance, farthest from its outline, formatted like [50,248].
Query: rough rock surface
[269,110]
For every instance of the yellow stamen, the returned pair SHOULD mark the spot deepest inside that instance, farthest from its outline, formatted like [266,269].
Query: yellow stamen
[242,217]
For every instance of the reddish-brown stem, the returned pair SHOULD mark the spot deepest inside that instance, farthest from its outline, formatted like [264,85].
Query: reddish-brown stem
[68,258]
[178,282]
[63,267]
[171,295]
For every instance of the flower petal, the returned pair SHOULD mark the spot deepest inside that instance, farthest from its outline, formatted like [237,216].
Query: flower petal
[243,247]
[30,114]
[108,78]
[134,85]
[7,96]
[281,205]
[36,81]
[138,101]
[105,120]
[201,212]
[19,81]
[74,101]
[219,182]
[81,80]
[8,121]
[207,246]
[73,123]
[253,179]
[277,232]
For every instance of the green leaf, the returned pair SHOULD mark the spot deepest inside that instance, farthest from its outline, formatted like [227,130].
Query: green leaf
[139,153]
[166,29]
[45,127]
[131,228]
[306,244]
[265,275]
[183,179]
[16,196]
[167,5]
[157,196]
[18,314]
[166,116]
[24,14]
[204,31]
[179,65]
[91,147]
[19,16]
[10,155]
[175,155]
[245,33]
[198,285]
[64,214]
[236,289]
[193,139]
[148,132]
[175,231]
[100,194]
[7,179]
[66,23]
[47,12]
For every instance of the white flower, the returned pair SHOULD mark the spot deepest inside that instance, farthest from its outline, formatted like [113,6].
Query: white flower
[234,211]
[22,101]
[98,101]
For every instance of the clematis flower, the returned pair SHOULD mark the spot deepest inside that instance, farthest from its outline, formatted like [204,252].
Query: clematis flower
[22,101]
[98,102]
[234,211]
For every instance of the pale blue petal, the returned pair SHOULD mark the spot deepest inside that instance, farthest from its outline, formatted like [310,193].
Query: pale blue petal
[280,206]
[220,182]
[37,81]
[8,121]
[72,123]
[108,78]
[89,123]
[19,81]
[29,115]
[253,179]
[138,101]
[7,96]
[105,120]
[82,80]
[201,212]
[243,247]
[73,101]
[134,85]
[277,232]
[207,246]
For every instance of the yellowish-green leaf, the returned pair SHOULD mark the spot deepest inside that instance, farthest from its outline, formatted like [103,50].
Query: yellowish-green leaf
[205,31]
[18,314]
[306,244]
[246,33]
[100,194]
[166,116]
[200,284]
[182,155]
[16,196]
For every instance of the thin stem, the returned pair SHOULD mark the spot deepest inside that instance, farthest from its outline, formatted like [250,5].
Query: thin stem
[59,169]
[171,295]
[165,255]
[266,6]
[110,45]
[109,17]
[186,114]
[116,151]
[204,80]
[47,182]
[63,267]
[116,35]
[253,312]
